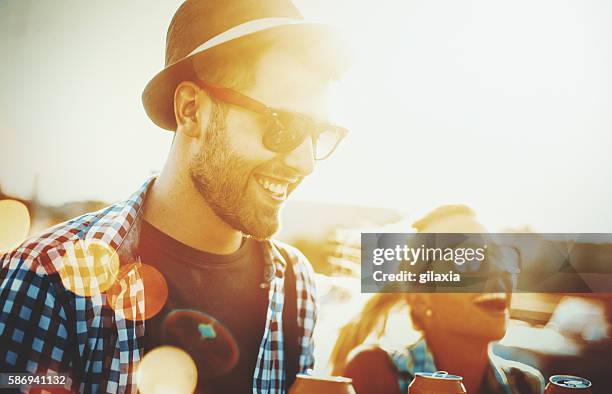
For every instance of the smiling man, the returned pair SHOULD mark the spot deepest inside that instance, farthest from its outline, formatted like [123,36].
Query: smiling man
[244,90]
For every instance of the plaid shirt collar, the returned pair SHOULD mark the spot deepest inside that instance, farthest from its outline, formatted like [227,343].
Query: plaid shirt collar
[418,358]
[110,339]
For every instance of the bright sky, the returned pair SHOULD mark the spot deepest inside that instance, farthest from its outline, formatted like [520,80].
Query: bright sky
[504,106]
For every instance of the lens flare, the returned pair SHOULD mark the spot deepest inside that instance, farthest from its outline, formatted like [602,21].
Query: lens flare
[167,369]
[155,292]
[90,267]
[14,224]
[208,341]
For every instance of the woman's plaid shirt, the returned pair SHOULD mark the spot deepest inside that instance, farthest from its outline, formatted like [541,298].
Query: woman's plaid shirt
[44,328]
[502,377]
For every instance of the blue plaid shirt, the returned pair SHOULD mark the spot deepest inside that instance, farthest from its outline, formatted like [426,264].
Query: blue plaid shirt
[502,377]
[95,334]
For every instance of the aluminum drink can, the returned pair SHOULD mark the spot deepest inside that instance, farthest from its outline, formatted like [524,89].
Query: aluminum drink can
[562,384]
[436,383]
[307,384]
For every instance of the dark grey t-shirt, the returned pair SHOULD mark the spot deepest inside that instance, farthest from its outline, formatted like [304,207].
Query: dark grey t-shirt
[225,287]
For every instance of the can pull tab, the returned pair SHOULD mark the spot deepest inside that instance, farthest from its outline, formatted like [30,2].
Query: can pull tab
[440,374]
[573,383]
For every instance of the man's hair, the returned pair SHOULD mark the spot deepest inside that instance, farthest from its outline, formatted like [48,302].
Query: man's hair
[229,70]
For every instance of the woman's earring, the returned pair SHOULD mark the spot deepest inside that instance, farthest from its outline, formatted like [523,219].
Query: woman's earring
[428,313]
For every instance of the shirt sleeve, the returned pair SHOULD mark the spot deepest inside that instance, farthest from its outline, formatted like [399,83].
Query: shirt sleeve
[308,309]
[34,333]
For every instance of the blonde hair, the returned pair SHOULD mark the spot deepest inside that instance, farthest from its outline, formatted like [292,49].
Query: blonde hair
[374,316]
[442,212]
[372,319]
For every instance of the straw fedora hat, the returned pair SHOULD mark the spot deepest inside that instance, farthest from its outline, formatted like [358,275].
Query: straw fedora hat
[203,31]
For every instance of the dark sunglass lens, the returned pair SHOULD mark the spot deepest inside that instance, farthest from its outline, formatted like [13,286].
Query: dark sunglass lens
[285,132]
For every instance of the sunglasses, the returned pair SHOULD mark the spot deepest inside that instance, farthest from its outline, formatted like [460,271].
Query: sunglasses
[285,130]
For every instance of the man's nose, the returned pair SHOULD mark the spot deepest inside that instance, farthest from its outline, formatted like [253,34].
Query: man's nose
[301,159]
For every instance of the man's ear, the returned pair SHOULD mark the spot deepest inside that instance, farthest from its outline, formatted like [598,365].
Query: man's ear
[188,99]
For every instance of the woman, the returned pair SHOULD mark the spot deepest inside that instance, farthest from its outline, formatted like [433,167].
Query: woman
[457,329]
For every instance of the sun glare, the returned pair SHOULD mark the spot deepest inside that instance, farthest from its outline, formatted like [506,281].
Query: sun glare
[14,224]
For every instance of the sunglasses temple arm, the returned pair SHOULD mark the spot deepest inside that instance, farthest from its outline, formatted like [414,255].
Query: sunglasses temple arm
[233,97]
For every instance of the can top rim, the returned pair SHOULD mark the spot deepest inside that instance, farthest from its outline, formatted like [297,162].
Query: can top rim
[559,380]
[338,379]
[439,375]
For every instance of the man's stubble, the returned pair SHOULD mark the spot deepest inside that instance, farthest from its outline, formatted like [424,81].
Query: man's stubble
[222,178]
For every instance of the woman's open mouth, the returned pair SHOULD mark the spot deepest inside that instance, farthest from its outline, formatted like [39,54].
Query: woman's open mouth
[495,303]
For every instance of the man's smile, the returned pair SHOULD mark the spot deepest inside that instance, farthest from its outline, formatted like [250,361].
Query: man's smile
[276,188]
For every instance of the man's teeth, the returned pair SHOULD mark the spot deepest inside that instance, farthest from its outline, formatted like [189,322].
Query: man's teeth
[276,188]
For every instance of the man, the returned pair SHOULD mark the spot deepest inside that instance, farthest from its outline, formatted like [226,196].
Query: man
[244,90]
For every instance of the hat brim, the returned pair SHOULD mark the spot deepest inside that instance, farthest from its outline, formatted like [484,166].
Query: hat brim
[315,38]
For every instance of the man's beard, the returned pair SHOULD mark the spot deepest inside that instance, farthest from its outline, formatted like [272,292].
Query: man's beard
[222,178]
